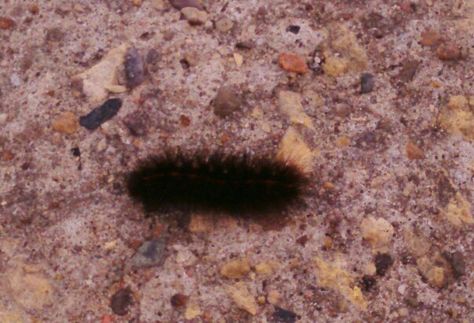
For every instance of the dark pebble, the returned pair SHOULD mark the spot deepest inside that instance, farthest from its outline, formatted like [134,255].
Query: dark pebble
[383,261]
[101,114]
[367,283]
[180,4]
[367,83]
[179,300]
[121,300]
[227,101]
[408,71]
[284,316]
[245,45]
[295,29]
[151,253]
[134,68]
[457,263]
[76,152]
[302,240]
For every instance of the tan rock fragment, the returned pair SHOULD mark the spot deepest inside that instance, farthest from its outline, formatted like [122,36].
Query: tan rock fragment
[290,104]
[458,117]
[293,62]
[378,232]
[266,268]
[102,77]
[413,151]
[235,268]
[458,211]
[294,150]
[192,311]
[335,66]
[332,276]
[416,244]
[344,53]
[239,59]
[66,122]
[435,275]
[273,297]
[242,297]
[194,16]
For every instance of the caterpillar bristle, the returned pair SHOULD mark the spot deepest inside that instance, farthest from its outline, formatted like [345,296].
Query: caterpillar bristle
[235,184]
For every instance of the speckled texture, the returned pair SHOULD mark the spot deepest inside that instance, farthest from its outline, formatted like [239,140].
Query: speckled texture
[392,169]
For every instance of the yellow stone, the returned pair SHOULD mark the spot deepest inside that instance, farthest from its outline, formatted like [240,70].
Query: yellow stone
[417,245]
[242,297]
[457,117]
[235,268]
[332,276]
[290,104]
[458,211]
[434,274]
[273,297]
[335,66]
[192,311]
[266,268]
[239,59]
[343,141]
[378,232]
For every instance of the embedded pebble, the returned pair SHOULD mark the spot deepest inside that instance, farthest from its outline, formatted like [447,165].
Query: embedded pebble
[377,231]
[430,38]
[235,268]
[245,45]
[383,261]
[284,316]
[408,70]
[227,101]
[180,4]
[150,253]
[134,68]
[292,62]
[101,114]
[294,29]
[66,123]
[413,151]
[367,83]
[194,16]
[121,300]
[242,297]
[224,25]
[179,300]
[449,52]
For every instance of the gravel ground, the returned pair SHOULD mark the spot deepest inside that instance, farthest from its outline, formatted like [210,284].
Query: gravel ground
[373,99]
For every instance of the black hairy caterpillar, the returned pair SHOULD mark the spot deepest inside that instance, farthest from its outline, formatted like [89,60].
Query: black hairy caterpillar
[235,184]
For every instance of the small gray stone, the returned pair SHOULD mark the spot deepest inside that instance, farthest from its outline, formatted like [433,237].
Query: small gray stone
[227,101]
[224,25]
[134,68]
[367,83]
[180,4]
[151,253]
[194,16]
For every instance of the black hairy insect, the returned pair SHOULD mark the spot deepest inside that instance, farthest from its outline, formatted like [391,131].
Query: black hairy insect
[239,185]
